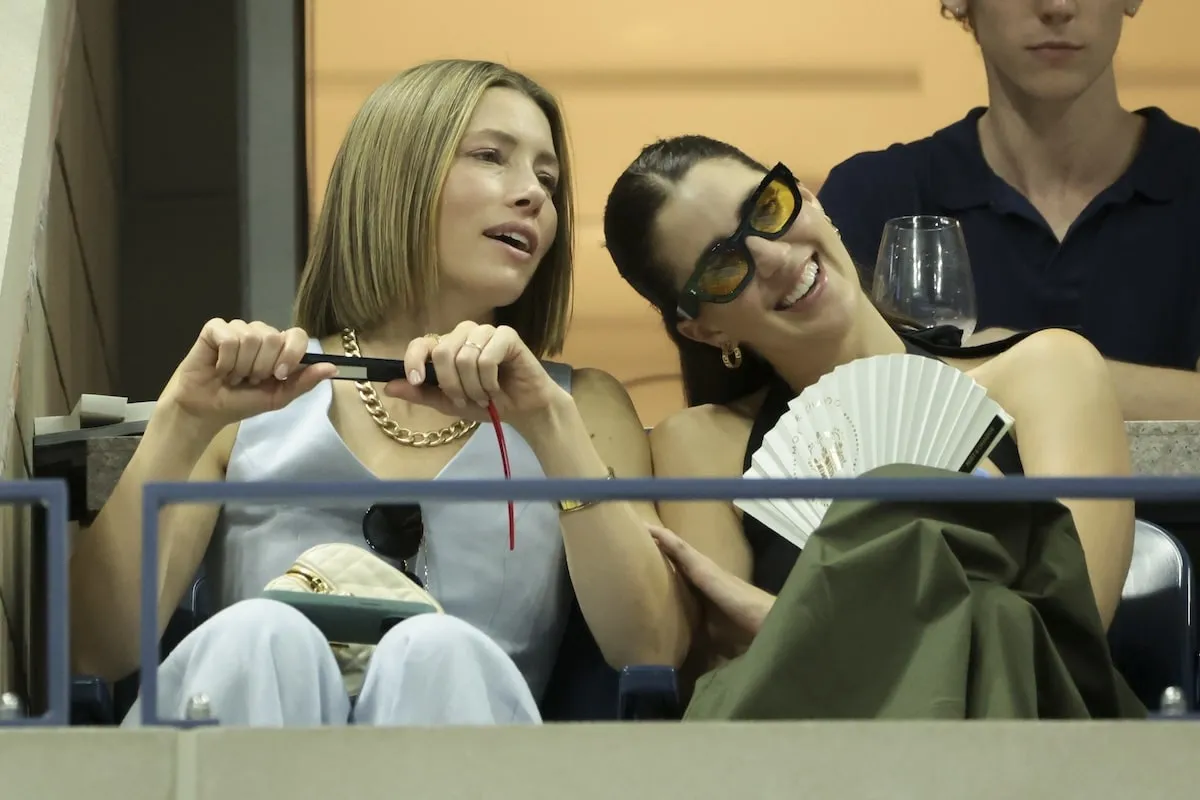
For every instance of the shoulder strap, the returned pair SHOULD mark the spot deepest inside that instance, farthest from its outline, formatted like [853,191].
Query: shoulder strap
[945,341]
[561,373]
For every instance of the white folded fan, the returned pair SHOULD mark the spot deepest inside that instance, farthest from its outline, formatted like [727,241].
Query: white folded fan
[894,409]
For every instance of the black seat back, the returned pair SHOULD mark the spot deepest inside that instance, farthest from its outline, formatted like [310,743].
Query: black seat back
[583,687]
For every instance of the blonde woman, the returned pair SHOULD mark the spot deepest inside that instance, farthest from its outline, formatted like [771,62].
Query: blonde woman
[445,232]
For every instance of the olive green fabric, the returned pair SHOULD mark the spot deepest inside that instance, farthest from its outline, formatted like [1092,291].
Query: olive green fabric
[928,611]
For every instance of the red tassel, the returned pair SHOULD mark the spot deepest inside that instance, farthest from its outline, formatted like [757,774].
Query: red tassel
[512,523]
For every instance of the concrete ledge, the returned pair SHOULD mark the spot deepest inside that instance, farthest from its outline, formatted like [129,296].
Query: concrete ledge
[1165,448]
[91,763]
[827,760]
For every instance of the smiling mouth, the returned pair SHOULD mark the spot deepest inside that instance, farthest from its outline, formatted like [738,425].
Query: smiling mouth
[807,282]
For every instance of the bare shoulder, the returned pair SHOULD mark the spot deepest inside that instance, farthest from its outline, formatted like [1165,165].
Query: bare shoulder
[603,402]
[595,386]
[609,415]
[1047,352]
[705,440]
[1043,363]
[694,423]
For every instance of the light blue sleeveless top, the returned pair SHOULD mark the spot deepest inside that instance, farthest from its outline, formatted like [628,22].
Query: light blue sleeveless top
[520,598]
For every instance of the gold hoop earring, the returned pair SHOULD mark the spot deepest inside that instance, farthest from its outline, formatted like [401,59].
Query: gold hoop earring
[731,357]
[958,11]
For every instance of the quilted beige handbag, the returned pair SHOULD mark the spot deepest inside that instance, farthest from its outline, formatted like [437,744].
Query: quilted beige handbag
[347,570]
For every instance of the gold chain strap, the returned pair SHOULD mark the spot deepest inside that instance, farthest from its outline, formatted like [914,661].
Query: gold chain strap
[409,438]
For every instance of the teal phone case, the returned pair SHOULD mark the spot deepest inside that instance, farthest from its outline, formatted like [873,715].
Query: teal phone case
[350,620]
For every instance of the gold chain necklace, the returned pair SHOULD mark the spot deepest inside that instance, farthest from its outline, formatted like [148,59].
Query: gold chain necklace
[409,438]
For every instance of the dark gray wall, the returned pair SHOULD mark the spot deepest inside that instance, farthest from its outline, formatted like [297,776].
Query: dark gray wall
[180,242]
[213,188]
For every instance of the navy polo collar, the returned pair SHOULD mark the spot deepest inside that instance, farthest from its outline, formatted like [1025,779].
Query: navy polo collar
[964,179]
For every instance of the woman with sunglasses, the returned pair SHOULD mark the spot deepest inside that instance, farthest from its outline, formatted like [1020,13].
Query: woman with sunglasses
[762,299]
[445,235]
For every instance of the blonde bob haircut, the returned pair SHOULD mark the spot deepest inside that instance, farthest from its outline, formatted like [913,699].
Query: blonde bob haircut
[374,245]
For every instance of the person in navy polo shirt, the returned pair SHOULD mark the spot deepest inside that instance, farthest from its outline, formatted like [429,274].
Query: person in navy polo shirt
[1077,212]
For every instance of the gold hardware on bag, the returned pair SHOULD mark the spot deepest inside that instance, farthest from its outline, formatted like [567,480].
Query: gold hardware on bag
[315,582]
[340,569]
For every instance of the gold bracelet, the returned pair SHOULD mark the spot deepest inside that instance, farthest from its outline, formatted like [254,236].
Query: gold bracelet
[566,506]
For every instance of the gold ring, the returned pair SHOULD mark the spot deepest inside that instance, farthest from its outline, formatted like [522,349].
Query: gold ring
[436,338]
[478,347]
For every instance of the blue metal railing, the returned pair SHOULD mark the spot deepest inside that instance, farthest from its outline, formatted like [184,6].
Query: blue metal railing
[158,495]
[51,495]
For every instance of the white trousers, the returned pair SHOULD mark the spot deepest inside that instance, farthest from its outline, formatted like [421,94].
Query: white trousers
[262,663]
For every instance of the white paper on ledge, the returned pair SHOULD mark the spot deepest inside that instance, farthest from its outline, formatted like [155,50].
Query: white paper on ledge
[95,411]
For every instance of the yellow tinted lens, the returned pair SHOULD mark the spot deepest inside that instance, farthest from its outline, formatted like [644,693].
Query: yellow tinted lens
[773,209]
[723,273]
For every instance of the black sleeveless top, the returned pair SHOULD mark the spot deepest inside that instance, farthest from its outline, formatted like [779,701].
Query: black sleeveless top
[775,556]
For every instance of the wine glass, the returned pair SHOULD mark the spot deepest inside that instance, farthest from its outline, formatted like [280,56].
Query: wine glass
[923,274]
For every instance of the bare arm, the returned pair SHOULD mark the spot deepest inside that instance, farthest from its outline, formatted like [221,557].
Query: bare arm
[1155,392]
[1068,423]
[106,562]
[630,595]
[705,540]
[234,370]
[1143,393]
[694,443]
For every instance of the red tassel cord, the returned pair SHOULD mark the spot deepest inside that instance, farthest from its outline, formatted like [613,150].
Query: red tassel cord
[512,522]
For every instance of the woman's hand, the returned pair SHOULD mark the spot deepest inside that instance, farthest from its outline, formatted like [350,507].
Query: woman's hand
[478,364]
[734,609]
[238,369]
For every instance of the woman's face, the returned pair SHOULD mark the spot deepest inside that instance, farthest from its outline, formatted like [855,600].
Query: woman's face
[1047,49]
[498,218]
[804,283]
